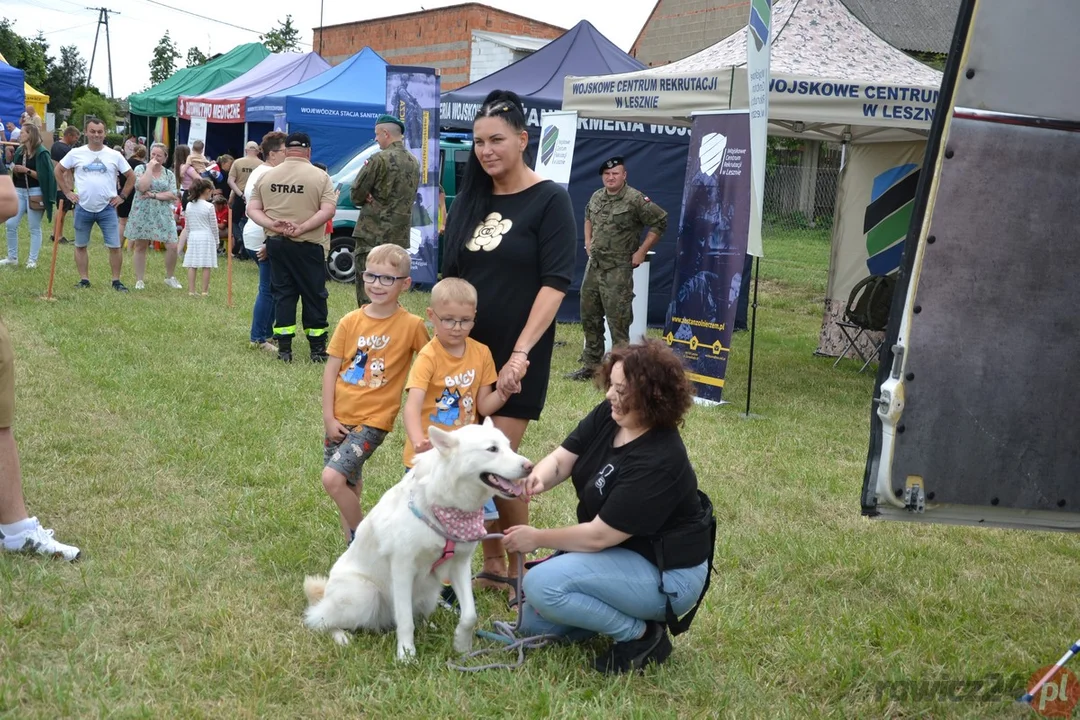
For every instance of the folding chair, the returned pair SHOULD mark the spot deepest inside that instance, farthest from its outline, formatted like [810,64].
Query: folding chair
[867,310]
[852,333]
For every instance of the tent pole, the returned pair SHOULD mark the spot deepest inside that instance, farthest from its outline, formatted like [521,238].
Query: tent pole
[753,332]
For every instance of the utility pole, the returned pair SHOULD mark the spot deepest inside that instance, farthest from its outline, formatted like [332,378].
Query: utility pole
[321,30]
[103,19]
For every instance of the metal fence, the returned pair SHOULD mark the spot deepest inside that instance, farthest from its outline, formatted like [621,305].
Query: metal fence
[799,199]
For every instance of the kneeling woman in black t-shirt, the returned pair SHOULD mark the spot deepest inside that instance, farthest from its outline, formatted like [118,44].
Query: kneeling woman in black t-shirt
[634,484]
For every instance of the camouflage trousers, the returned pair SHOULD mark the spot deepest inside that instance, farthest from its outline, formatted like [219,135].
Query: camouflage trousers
[606,291]
[363,246]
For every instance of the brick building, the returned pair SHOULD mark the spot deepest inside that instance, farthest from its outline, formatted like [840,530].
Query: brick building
[678,28]
[446,38]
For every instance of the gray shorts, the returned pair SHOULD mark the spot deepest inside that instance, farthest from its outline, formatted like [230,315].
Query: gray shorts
[348,456]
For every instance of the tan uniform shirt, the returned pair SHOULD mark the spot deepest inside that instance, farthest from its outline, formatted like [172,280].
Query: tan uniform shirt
[241,171]
[294,191]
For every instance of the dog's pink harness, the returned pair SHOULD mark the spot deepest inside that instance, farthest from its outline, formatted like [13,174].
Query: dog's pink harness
[454,526]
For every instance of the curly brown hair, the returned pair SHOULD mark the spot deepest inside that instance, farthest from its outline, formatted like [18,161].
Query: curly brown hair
[656,384]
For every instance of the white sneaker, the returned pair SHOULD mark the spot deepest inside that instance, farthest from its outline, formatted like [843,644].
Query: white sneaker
[31,264]
[173,283]
[9,261]
[140,285]
[40,540]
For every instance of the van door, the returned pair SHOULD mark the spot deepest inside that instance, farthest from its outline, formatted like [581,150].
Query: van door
[976,415]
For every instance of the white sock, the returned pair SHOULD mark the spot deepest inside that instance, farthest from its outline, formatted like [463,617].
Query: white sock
[20,527]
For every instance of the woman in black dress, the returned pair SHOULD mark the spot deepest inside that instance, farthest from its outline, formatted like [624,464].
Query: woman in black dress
[512,235]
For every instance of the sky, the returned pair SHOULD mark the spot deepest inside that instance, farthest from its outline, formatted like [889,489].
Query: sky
[139,24]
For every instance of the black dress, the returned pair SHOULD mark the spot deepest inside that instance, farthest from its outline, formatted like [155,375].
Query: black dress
[123,210]
[527,242]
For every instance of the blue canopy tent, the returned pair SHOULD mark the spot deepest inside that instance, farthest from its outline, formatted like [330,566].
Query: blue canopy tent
[655,154]
[337,108]
[12,94]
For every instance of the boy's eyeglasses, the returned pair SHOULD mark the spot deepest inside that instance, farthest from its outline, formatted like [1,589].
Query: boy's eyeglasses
[451,323]
[372,278]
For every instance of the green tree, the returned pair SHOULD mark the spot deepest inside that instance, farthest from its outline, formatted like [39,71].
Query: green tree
[12,45]
[164,63]
[284,38]
[36,61]
[195,57]
[64,78]
[91,103]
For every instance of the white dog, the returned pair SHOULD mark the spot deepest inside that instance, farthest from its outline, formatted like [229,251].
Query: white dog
[421,532]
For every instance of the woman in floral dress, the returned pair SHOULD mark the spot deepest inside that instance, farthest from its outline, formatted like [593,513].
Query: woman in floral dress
[151,216]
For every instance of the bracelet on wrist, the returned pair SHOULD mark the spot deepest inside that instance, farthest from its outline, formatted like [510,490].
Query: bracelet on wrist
[519,352]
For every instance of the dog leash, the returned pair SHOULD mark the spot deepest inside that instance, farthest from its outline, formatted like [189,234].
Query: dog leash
[506,632]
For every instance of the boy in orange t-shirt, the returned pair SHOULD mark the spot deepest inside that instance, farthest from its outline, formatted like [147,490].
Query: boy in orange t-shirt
[452,381]
[370,353]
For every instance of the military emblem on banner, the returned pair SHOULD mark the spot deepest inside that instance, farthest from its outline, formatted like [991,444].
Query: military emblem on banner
[711,153]
[760,19]
[548,143]
[888,216]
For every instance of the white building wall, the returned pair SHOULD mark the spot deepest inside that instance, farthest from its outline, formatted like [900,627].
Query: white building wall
[488,57]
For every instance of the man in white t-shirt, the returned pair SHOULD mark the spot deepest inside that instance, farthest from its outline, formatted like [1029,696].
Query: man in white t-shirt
[94,168]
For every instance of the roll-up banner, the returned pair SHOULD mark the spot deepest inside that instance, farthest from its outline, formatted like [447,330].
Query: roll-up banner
[412,94]
[713,231]
[555,157]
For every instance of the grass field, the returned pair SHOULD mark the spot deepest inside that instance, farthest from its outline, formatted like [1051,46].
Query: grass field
[187,468]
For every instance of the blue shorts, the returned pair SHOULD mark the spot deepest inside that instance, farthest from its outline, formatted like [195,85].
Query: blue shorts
[106,219]
[490,513]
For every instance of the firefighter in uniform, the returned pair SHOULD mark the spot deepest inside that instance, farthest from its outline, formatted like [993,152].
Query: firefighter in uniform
[384,190]
[614,220]
[293,201]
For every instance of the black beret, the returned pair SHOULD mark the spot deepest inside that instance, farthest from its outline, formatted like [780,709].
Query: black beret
[611,163]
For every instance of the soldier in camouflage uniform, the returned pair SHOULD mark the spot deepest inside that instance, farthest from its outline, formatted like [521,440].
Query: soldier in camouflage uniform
[614,219]
[384,190]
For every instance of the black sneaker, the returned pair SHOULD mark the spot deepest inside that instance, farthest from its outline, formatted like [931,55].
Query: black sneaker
[285,356]
[117,286]
[84,283]
[64,240]
[581,374]
[320,358]
[653,648]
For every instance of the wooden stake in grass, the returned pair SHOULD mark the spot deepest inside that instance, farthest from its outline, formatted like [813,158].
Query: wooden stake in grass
[228,273]
[58,227]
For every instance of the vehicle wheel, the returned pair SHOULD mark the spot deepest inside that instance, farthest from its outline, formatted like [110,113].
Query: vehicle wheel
[340,265]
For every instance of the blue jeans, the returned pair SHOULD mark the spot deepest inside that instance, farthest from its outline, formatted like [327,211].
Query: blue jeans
[105,219]
[262,315]
[611,592]
[33,218]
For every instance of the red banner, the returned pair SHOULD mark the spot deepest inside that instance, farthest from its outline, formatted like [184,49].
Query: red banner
[215,110]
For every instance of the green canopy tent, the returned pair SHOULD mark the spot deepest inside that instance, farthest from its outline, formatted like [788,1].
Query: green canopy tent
[160,100]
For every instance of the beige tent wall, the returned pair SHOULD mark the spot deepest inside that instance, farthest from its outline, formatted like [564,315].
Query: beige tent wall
[849,257]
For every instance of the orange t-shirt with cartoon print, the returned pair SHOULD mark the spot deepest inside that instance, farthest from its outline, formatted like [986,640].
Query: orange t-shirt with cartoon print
[450,385]
[375,354]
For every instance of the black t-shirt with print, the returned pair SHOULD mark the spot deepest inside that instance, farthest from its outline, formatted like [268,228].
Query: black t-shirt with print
[645,488]
[526,242]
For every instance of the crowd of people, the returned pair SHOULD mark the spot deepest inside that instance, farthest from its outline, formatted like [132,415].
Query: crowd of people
[639,554]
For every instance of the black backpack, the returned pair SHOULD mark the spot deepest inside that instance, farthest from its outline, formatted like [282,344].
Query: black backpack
[870,301]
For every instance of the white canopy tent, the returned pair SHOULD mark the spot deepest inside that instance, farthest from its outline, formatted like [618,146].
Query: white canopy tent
[830,75]
[832,79]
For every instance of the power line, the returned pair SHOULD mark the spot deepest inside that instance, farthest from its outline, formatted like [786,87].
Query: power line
[210,19]
[73,27]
